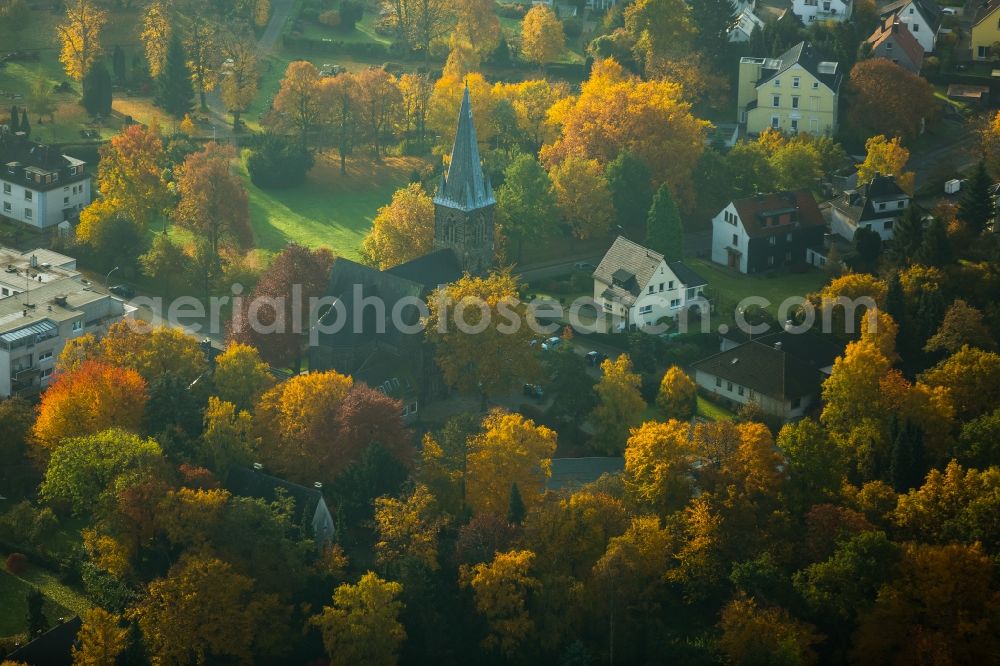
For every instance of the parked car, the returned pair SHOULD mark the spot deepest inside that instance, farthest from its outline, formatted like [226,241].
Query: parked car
[584,266]
[123,290]
[533,391]
[595,358]
[551,343]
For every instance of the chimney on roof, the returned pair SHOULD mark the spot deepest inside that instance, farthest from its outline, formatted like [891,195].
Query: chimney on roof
[317,485]
[257,467]
[777,345]
[34,261]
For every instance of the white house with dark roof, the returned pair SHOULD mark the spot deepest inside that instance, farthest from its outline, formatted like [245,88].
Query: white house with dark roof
[874,206]
[823,10]
[640,287]
[921,17]
[39,186]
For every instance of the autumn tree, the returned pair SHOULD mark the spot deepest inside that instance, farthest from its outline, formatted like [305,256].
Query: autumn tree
[202,49]
[299,102]
[797,165]
[887,157]
[962,325]
[273,318]
[429,20]
[542,37]
[501,590]
[816,466]
[82,469]
[446,99]
[239,80]
[80,37]
[416,89]
[509,449]
[678,396]
[342,97]
[402,230]
[478,349]
[659,128]
[181,622]
[890,100]
[40,99]
[621,404]
[93,397]
[972,379]
[379,104]
[101,638]
[408,530]
[659,30]
[213,205]
[478,24]
[752,634]
[153,352]
[240,376]
[155,36]
[657,464]
[362,626]
[583,197]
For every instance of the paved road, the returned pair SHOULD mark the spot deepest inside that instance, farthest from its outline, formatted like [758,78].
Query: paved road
[958,154]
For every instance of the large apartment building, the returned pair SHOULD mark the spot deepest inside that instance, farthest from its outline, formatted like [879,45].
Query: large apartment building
[38,185]
[44,302]
[795,92]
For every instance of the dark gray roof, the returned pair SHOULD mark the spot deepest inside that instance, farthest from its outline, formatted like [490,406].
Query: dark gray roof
[431,270]
[53,648]
[252,483]
[804,55]
[688,276]
[819,350]
[927,8]
[858,205]
[568,473]
[465,186]
[768,371]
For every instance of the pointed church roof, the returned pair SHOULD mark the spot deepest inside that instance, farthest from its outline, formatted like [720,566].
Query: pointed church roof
[465,186]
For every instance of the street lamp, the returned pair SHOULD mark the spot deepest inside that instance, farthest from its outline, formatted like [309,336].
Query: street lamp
[108,277]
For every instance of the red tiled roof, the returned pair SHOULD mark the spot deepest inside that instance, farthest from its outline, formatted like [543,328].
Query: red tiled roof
[893,27]
[790,209]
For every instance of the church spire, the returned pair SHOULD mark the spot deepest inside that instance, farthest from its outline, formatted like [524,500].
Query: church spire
[465,186]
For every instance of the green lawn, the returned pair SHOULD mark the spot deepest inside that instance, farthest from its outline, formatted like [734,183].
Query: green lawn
[14,606]
[329,210]
[729,288]
[713,412]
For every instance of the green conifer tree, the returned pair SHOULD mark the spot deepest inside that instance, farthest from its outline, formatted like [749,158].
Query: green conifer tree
[664,231]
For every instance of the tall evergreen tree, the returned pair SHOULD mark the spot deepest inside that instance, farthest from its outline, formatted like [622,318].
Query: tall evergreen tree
[174,91]
[976,209]
[25,123]
[515,509]
[118,64]
[97,90]
[631,192]
[868,245]
[664,231]
[907,235]
[895,307]
[37,622]
[15,119]
[713,18]
[935,249]
[907,465]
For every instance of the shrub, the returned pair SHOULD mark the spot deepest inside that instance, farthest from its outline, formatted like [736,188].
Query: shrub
[16,563]
[277,162]
[573,27]
[330,18]
[351,11]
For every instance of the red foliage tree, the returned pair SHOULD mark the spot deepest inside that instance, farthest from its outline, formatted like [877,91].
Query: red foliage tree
[367,417]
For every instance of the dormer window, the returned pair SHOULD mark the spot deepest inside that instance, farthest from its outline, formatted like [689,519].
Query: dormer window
[795,82]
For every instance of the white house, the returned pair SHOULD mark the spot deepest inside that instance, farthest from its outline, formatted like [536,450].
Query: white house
[39,186]
[744,25]
[639,287]
[921,17]
[874,206]
[823,10]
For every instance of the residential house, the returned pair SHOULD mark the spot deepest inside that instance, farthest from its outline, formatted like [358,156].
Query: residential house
[782,372]
[763,232]
[745,24]
[796,92]
[921,17]
[810,11]
[639,287]
[893,41]
[310,511]
[874,206]
[985,30]
[39,186]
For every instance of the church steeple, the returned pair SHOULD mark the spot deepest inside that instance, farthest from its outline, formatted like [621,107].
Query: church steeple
[465,186]
[464,202]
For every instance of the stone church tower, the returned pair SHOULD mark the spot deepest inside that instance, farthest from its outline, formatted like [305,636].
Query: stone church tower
[464,203]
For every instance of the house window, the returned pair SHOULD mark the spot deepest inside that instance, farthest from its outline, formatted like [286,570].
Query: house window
[718,382]
[773,240]
[6,188]
[887,225]
[795,102]
[65,200]
[675,302]
[650,289]
[775,100]
[815,85]
[795,82]
[984,52]
[607,306]
[915,27]
[777,83]
[77,325]
[736,240]
[28,213]
[45,355]
[645,309]
[6,207]
[27,195]
[691,293]
[661,286]
[47,372]
[888,46]
[729,386]
[900,204]
[795,125]
[881,206]
[752,394]
[4,291]
[796,403]
[670,284]
[775,122]
[739,390]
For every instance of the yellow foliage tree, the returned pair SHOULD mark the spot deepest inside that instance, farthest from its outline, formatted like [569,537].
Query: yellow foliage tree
[751,634]
[582,193]
[621,404]
[100,640]
[971,378]
[446,99]
[887,157]
[80,37]
[155,36]
[532,100]
[130,174]
[659,30]
[240,375]
[542,36]
[408,529]
[401,231]
[362,626]
[658,460]
[510,449]
[162,350]
[227,437]
[478,24]
[678,396]
[501,590]
[239,86]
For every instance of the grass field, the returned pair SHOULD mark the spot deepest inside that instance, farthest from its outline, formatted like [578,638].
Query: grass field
[329,210]
[730,288]
[14,606]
